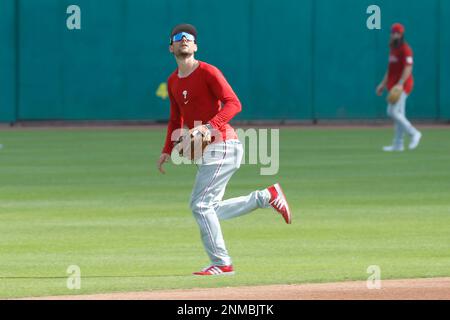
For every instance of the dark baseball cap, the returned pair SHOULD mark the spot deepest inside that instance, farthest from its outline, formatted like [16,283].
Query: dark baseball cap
[184,27]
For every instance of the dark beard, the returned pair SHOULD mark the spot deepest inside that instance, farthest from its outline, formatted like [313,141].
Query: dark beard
[397,43]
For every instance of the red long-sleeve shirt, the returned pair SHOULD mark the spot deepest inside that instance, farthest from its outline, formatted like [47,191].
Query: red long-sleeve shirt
[204,96]
[399,58]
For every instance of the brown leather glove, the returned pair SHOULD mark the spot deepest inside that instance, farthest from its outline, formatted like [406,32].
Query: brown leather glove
[394,95]
[192,144]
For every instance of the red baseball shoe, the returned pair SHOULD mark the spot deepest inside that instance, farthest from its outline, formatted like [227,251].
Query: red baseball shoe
[216,271]
[278,202]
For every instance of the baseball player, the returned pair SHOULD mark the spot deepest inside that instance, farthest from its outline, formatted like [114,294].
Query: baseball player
[399,78]
[199,92]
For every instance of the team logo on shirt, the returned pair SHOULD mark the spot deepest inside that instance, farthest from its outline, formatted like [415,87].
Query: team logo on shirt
[185,93]
[409,60]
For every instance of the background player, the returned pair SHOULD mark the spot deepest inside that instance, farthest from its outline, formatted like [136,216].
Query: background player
[399,74]
[197,91]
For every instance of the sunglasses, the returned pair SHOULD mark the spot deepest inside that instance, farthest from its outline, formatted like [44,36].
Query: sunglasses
[179,36]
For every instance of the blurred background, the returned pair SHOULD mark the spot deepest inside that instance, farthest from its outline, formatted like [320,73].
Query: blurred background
[289,60]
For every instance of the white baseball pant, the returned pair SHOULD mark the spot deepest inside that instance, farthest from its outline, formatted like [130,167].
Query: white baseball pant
[220,161]
[401,124]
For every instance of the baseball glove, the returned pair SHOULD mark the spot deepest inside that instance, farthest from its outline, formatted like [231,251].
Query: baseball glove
[394,95]
[192,144]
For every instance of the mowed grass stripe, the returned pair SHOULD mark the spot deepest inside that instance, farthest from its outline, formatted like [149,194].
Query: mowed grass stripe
[93,198]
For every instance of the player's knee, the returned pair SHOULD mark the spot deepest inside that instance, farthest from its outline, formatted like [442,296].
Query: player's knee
[196,206]
[393,113]
[200,207]
[396,116]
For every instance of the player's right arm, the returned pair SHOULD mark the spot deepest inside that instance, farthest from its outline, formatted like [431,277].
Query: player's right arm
[382,84]
[407,71]
[175,122]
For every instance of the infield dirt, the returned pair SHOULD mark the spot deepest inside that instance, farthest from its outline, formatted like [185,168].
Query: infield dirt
[411,289]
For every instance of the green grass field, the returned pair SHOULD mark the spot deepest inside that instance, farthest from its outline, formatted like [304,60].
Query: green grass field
[94,198]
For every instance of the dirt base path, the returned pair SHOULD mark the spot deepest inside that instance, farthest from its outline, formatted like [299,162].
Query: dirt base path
[414,289]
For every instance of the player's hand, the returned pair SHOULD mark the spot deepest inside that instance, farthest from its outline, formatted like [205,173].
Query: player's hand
[162,159]
[380,89]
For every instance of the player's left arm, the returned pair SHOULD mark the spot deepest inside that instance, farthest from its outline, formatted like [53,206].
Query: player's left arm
[406,74]
[407,71]
[223,92]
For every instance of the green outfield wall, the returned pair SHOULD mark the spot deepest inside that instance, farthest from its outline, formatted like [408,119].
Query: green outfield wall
[8,53]
[287,59]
